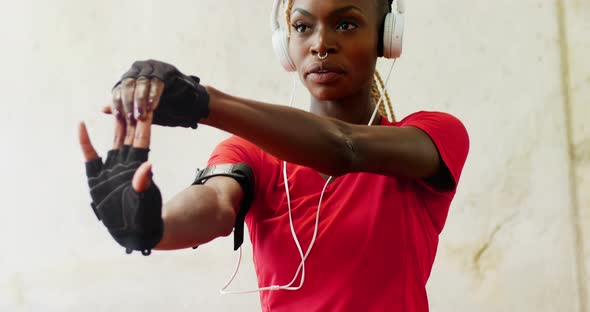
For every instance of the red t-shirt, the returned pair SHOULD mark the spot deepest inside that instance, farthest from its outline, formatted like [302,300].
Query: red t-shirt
[377,236]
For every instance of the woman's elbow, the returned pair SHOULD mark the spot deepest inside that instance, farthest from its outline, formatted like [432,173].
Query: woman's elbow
[225,219]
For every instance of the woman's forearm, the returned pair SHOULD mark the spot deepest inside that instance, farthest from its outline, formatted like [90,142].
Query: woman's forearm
[195,216]
[287,133]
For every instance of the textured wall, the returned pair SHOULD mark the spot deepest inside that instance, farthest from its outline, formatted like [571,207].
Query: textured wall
[576,75]
[508,244]
[515,72]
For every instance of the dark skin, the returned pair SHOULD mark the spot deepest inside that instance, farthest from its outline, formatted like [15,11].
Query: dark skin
[349,35]
[335,128]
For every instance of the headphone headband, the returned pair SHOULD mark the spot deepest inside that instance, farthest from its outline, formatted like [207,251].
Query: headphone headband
[274,16]
[393,29]
[400,6]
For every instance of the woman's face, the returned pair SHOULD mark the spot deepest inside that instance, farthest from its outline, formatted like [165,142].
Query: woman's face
[345,29]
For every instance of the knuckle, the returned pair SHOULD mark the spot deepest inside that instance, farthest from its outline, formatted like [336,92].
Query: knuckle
[141,85]
[127,95]
[128,82]
[141,97]
[126,102]
[158,82]
[157,86]
[117,98]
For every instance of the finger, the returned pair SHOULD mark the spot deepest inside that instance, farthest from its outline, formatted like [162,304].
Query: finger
[118,103]
[140,98]
[127,93]
[143,132]
[87,149]
[129,132]
[120,130]
[142,177]
[107,109]
[156,90]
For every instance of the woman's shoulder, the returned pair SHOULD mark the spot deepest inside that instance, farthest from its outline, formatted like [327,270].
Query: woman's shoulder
[429,116]
[433,122]
[242,150]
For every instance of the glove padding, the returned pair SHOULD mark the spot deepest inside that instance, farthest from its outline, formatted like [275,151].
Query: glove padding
[133,219]
[184,101]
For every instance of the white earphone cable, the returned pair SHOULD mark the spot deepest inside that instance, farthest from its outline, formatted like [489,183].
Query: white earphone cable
[382,93]
[301,267]
[237,268]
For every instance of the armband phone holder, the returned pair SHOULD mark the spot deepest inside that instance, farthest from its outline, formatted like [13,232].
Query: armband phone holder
[242,173]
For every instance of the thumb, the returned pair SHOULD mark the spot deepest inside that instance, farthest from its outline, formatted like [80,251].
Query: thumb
[142,177]
[107,109]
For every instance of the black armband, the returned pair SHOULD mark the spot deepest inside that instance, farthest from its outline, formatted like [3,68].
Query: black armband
[242,173]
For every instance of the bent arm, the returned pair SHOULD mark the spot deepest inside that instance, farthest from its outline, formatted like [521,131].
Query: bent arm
[328,145]
[200,213]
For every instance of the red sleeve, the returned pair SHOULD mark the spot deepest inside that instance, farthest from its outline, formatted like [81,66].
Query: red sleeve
[236,150]
[448,134]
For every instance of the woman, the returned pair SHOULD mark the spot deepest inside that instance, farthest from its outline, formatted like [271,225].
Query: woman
[384,190]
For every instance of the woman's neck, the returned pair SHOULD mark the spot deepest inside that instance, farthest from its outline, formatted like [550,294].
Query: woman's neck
[356,109]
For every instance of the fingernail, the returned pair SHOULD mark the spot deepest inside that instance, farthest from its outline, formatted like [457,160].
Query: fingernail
[130,118]
[150,105]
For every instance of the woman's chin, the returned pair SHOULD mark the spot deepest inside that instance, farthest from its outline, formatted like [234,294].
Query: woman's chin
[328,93]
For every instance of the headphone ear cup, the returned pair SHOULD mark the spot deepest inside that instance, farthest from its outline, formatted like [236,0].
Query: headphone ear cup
[393,32]
[280,44]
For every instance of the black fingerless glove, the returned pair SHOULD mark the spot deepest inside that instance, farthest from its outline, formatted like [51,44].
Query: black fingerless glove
[184,101]
[133,219]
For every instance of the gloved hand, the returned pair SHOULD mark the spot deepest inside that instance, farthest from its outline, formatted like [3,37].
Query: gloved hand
[182,100]
[133,219]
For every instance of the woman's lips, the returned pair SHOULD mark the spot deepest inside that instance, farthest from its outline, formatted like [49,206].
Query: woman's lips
[324,77]
[324,72]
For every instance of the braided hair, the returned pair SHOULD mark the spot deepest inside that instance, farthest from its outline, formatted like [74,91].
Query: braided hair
[384,6]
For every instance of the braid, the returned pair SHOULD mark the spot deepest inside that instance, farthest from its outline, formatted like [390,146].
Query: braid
[385,106]
[377,84]
[288,9]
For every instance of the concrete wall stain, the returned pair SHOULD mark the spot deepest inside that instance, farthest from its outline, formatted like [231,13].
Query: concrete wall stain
[477,257]
[582,152]
[567,101]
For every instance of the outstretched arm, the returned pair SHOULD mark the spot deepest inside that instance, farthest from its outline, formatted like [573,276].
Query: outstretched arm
[326,144]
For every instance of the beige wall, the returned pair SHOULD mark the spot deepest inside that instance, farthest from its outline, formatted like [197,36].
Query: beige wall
[576,75]
[515,72]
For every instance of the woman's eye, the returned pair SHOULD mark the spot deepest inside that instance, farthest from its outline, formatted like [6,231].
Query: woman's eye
[300,28]
[347,26]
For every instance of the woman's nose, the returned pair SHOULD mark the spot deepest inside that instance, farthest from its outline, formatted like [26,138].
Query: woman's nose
[324,42]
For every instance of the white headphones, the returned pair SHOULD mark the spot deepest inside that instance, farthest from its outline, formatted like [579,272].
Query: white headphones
[392,35]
